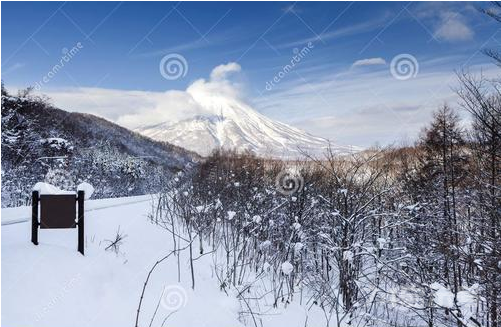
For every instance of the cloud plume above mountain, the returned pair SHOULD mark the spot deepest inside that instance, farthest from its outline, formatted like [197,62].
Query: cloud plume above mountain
[179,105]
[138,108]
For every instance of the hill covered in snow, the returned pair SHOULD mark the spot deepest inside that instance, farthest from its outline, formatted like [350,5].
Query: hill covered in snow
[44,143]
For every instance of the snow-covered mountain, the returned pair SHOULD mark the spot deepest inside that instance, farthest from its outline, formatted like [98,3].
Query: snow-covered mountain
[232,124]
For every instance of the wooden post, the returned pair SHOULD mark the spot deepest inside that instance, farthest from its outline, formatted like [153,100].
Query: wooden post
[80,199]
[34,217]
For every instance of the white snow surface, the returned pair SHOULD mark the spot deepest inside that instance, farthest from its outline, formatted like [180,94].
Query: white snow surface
[287,268]
[87,188]
[232,124]
[55,286]
[231,215]
[443,296]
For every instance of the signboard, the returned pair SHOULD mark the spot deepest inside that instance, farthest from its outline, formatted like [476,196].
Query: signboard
[58,211]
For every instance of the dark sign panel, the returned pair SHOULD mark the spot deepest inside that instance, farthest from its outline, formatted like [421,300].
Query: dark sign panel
[58,211]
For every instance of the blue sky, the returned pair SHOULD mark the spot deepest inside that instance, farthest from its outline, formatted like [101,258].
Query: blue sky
[342,88]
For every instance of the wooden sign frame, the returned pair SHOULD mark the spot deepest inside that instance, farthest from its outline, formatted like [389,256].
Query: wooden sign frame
[57,211]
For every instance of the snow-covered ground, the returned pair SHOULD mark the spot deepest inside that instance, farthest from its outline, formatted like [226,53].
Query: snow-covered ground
[53,285]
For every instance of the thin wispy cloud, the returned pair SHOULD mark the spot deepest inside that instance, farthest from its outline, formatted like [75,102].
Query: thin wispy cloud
[448,21]
[453,28]
[212,40]
[192,45]
[348,107]
[350,30]
[360,107]
[13,68]
[369,62]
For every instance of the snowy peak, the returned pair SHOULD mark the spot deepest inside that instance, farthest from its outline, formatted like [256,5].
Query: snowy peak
[232,124]
[215,115]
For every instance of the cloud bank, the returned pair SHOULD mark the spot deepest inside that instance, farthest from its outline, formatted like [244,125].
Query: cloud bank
[350,107]
[133,109]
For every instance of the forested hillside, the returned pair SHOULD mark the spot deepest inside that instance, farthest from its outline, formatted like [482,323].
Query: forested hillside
[43,143]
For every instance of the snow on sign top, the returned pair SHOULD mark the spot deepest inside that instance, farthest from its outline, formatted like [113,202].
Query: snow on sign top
[49,189]
[87,188]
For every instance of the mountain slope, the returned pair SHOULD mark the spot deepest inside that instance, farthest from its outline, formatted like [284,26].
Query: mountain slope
[43,143]
[230,123]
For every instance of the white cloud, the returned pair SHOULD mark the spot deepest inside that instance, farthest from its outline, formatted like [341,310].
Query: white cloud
[351,107]
[221,71]
[452,28]
[139,108]
[369,62]
[448,20]
[169,106]
[348,107]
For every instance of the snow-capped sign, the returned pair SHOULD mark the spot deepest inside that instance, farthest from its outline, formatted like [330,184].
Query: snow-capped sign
[58,209]
[46,188]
